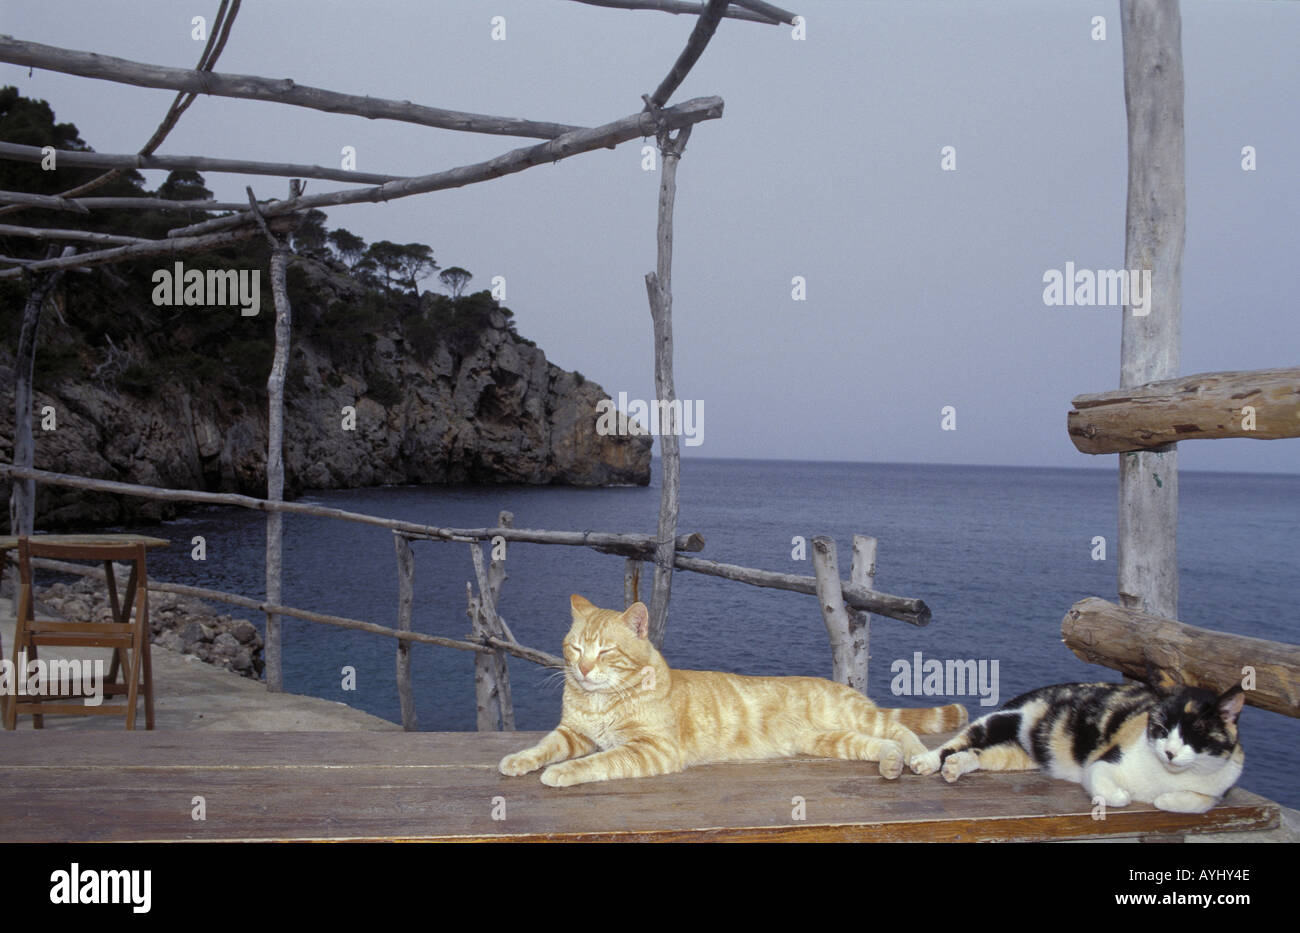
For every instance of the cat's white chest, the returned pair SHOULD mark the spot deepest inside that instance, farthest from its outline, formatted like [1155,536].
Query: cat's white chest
[1141,773]
[598,723]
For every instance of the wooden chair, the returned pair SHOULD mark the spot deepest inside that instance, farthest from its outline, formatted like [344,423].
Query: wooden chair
[129,639]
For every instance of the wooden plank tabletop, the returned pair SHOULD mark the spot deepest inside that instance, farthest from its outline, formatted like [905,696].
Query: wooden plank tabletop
[140,786]
[10,542]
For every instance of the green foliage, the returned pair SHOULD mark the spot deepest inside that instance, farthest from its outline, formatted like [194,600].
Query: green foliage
[217,349]
[382,388]
[455,279]
[310,236]
[55,362]
[348,245]
[138,379]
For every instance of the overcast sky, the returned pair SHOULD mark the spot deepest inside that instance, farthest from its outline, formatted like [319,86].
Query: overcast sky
[924,287]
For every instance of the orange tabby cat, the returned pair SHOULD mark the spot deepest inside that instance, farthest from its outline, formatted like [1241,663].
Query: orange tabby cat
[639,717]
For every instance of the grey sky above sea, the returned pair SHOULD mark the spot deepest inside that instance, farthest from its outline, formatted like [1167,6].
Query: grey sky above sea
[924,287]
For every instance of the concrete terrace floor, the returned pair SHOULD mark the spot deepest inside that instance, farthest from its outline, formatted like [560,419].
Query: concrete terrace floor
[192,695]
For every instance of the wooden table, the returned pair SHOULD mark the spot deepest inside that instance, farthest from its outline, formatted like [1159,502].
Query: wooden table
[445,786]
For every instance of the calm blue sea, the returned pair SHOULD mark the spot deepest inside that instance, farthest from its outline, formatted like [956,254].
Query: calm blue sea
[998,553]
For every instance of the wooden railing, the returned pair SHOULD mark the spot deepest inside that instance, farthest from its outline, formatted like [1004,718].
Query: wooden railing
[845,605]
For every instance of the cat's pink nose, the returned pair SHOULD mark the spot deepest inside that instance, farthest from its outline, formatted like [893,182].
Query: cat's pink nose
[584,668]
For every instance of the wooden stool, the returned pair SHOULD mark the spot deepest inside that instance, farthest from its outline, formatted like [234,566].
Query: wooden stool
[128,639]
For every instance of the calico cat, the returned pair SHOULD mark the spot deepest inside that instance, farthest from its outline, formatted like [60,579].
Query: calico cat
[627,714]
[1174,747]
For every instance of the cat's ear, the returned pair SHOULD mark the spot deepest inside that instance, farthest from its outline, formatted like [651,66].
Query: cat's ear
[637,618]
[1161,679]
[1231,703]
[580,606]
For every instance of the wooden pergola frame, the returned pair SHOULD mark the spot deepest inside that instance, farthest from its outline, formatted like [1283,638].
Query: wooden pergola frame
[670,125]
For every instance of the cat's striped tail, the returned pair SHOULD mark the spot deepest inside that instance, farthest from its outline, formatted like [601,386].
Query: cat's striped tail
[928,719]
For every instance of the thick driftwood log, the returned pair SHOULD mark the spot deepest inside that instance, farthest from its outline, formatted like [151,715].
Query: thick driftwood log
[405,604]
[1125,640]
[197,163]
[252,87]
[1261,403]
[912,611]
[1150,343]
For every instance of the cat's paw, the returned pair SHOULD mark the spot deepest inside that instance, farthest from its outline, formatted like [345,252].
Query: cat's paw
[959,763]
[1184,801]
[560,775]
[927,763]
[891,760]
[1118,797]
[517,764]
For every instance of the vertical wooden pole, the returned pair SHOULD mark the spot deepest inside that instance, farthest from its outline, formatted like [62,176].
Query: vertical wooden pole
[275,466]
[1150,346]
[496,577]
[834,613]
[405,603]
[22,497]
[631,581]
[862,573]
[497,568]
[659,289]
[491,675]
[275,441]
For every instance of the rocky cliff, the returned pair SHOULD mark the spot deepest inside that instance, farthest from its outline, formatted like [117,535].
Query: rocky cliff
[389,405]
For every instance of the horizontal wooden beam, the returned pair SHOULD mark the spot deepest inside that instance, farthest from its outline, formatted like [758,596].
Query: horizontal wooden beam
[516,160]
[689,7]
[1126,640]
[257,605]
[80,236]
[904,609]
[14,261]
[149,248]
[1263,404]
[276,90]
[75,158]
[86,205]
[626,545]
[411,530]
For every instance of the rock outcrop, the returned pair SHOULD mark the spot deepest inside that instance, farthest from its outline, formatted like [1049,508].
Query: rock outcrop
[486,408]
[179,623]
